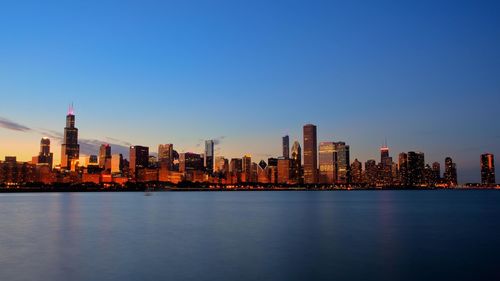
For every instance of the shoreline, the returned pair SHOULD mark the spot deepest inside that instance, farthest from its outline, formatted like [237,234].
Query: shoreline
[178,189]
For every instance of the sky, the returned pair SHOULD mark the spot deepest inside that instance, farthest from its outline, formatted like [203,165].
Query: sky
[425,75]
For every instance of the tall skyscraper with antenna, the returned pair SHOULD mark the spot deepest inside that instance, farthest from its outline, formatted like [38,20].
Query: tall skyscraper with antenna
[70,149]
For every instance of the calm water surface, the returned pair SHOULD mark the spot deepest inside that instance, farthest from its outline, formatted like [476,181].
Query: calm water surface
[361,235]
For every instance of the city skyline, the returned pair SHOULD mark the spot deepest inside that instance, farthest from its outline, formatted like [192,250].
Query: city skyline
[182,73]
[324,163]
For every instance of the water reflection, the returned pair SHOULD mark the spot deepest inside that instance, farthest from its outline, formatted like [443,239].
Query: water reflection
[249,236]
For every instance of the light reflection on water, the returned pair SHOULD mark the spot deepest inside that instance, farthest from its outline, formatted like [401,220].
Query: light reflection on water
[361,235]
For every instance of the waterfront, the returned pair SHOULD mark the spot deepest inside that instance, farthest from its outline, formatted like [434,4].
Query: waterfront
[360,235]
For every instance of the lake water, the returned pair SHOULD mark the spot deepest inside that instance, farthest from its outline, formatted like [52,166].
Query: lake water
[339,235]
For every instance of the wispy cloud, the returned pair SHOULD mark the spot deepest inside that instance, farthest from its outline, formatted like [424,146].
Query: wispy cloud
[217,141]
[117,141]
[92,146]
[11,125]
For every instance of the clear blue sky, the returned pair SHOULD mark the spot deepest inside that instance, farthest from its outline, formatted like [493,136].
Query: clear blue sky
[423,74]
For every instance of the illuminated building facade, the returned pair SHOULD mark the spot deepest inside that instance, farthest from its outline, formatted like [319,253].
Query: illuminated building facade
[70,149]
[450,172]
[385,175]
[436,169]
[246,169]
[343,163]
[416,165]
[296,162]
[284,167]
[45,157]
[327,163]
[166,155]
[190,162]
[357,172]
[371,172]
[139,158]
[116,164]
[310,154]
[104,155]
[209,156]
[488,169]
[286,147]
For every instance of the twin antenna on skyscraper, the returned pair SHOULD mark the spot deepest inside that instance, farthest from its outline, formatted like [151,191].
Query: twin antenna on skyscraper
[71,109]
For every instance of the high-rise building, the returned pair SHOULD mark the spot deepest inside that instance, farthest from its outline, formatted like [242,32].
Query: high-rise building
[139,158]
[166,156]
[385,176]
[286,147]
[450,172]
[429,176]
[209,156]
[93,160]
[235,166]
[357,172]
[296,172]
[384,153]
[221,165]
[403,169]
[284,166]
[104,155]
[273,162]
[116,163]
[310,154]
[246,169]
[70,149]
[488,169]
[416,166]
[45,157]
[327,163]
[371,172]
[190,162]
[343,163]
[153,162]
[436,169]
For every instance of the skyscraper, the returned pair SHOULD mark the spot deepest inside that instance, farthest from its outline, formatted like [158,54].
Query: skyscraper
[487,169]
[70,149]
[284,170]
[403,169]
[310,154]
[343,163]
[139,158]
[450,172]
[166,155]
[286,147]
[357,172]
[45,157]
[209,156]
[436,169]
[416,166]
[327,163]
[385,166]
[104,155]
[235,166]
[190,162]
[384,153]
[296,162]
[371,172]
[116,163]
[246,168]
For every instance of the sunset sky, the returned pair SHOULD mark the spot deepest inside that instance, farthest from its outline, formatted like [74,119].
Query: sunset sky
[425,75]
